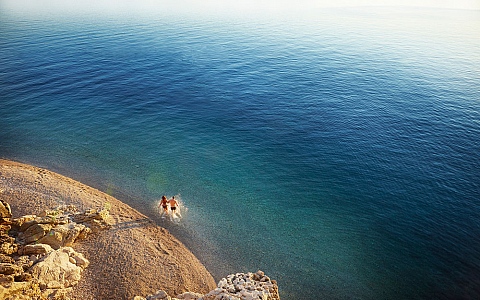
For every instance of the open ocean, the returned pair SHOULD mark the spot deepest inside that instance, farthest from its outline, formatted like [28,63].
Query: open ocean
[338,151]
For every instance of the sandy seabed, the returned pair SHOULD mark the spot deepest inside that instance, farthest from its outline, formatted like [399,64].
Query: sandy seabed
[134,257]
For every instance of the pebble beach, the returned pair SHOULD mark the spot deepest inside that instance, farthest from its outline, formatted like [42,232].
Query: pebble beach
[134,257]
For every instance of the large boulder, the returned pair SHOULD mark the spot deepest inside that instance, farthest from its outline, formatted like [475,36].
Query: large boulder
[59,269]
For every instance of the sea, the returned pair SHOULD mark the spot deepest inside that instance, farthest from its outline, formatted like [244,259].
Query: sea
[335,149]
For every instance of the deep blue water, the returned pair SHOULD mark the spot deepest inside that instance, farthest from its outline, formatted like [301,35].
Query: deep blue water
[339,152]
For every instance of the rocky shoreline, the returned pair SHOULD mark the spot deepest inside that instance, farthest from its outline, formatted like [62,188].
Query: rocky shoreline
[119,252]
[36,257]
[240,286]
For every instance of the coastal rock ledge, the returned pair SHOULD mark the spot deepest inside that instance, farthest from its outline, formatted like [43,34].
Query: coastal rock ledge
[36,257]
[240,286]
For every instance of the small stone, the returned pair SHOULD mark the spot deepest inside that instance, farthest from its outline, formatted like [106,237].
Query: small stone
[81,261]
[160,295]
[189,296]
[5,210]
[222,283]
[36,249]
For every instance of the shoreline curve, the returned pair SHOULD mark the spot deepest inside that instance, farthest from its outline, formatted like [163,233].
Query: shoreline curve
[135,257]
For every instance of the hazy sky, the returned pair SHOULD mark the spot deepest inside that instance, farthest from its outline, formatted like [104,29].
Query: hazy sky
[459,4]
[248,5]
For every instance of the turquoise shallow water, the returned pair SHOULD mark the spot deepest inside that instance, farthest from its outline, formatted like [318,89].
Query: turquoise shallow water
[338,152]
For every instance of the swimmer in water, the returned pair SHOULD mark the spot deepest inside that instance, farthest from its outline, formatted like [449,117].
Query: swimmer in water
[163,204]
[173,205]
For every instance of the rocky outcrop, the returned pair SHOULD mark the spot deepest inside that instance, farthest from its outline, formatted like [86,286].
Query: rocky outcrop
[245,286]
[60,227]
[7,243]
[240,286]
[36,260]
